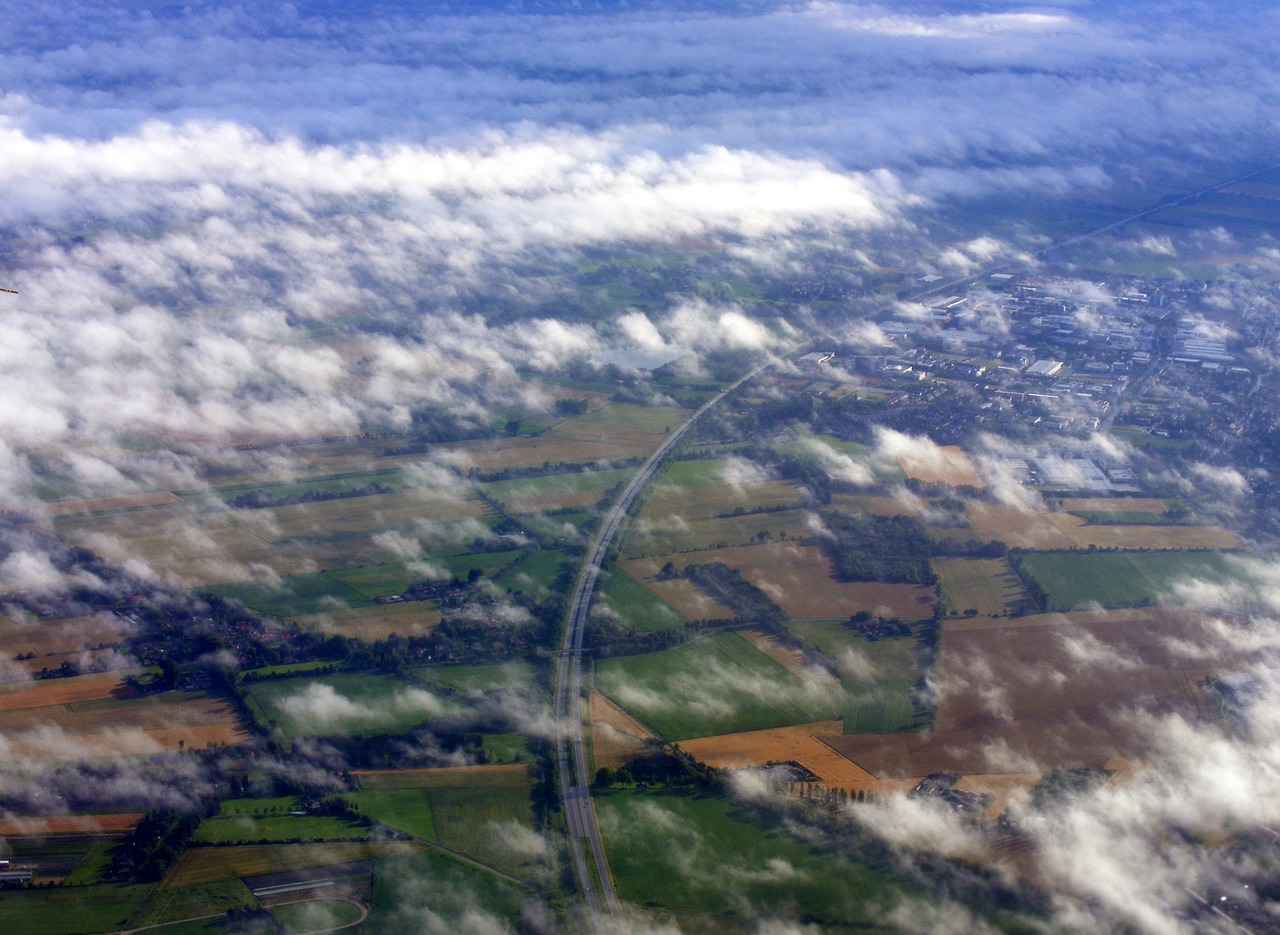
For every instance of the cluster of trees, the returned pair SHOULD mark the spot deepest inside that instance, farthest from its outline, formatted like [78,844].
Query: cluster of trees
[727,586]
[1035,590]
[661,766]
[877,628]
[551,467]
[261,500]
[879,548]
[146,853]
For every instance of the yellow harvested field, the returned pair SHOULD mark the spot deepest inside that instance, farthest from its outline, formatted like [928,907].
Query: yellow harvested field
[1017,528]
[70,824]
[1114,504]
[998,785]
[106,504]
[197,737]
[801,743]
[210,864]
[686,598]
[798,579]
[21,634]
[60,691]
[507,775]
[987,585]
[1151,537]
[1061,530]
[412,618]
[791,659]
[616,737]
[111,727]
[951,466]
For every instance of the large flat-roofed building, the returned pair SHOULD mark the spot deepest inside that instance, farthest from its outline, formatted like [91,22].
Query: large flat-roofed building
[1045,368]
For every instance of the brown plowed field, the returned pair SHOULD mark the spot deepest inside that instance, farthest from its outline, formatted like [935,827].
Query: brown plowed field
[110,727]
[1062,530]
[412,618]
[488,774]
[685,597]
[616,736]
[60,691]
[210,864]
[103,504]
[798,579]
[1052,691]
[70,824]
[954,468]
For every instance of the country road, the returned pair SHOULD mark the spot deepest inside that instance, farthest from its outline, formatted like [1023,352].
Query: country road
[594,879]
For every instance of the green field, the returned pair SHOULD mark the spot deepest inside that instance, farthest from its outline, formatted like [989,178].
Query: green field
[59,854]
[333,484]
[431,891]
[504,748]
[706,854]
[478,679]
[880,702]
[295,668]
[1119,579]
[665,537]
[94,865]
[802,445]
[694,474]
[536,573]
[278,829]
[490,823]
[407,810]
[716,685]
[270,821]
[316,915]
[189,902]
[550,485]
[103,908]
[346,703]
[487,563]
[294,596]
[374,581]
[636,604]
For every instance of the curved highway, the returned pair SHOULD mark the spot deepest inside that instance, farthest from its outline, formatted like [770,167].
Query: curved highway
[589,861]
